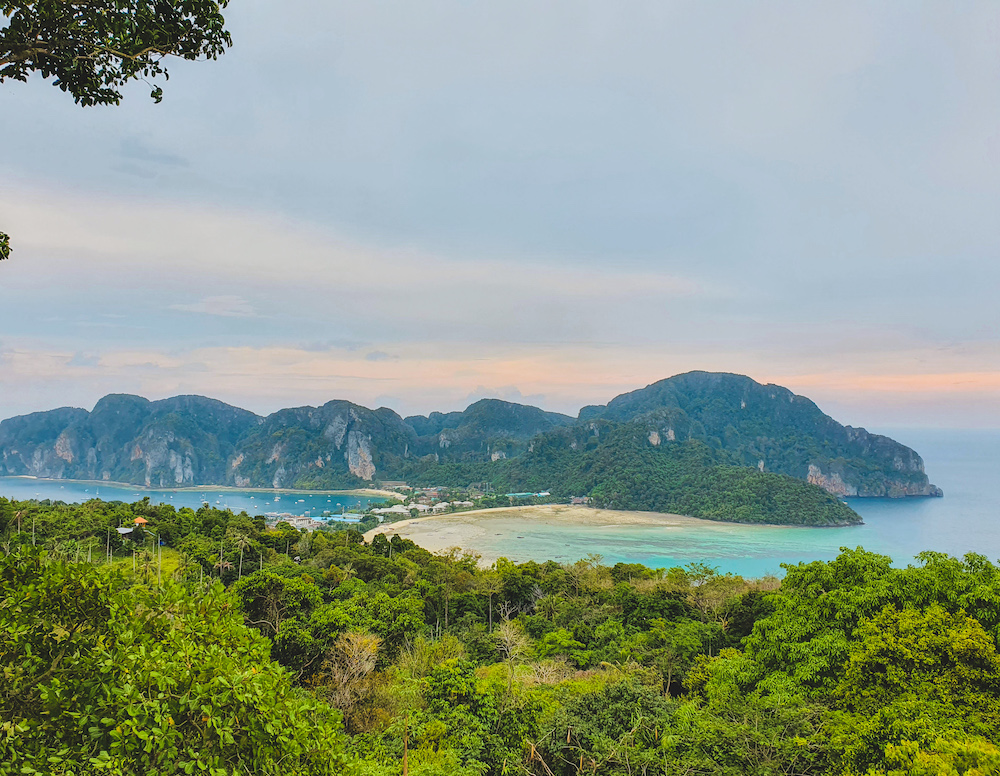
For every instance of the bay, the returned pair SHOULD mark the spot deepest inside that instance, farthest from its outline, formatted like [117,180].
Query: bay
[964,463]
[253,502]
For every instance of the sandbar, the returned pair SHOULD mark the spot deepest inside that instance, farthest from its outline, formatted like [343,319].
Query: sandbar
[472,531]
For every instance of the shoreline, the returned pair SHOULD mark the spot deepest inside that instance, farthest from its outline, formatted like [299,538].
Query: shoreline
[632,517]
[479,531]
[467,530]
[211,488]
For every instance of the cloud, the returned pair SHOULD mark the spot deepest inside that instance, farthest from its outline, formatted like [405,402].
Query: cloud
[567,201]
[379,355]
[135,148]
[224,306]
[332,344]
[84,359]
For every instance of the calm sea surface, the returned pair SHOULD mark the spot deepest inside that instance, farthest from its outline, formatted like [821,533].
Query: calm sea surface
[966,464]
[255,503]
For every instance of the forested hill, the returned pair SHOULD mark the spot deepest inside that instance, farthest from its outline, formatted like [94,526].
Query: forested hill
[618,467]
[624,453]
[771,428]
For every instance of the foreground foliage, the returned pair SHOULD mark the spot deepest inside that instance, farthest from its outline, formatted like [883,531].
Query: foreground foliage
[103,676]
[93,49]
[365,656]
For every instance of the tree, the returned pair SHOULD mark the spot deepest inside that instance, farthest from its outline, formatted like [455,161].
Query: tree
[490,583]
[513,646]
[916,675]
[345,678]
[242,542]
[6,509]
[561,642]
[104,677]
[92,48]
[972,757]
[267,600]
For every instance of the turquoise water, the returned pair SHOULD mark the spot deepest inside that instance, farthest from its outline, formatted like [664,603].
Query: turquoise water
[254,503]
[965,464]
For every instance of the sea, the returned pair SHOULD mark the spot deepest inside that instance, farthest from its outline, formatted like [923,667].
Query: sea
[316,504]
[964,463]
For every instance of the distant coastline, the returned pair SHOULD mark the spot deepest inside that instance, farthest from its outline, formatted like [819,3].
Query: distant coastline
[209,488]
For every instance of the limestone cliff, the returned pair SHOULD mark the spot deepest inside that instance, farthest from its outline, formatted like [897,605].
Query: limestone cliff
[185,440]
[774,430]
[339,444]
[192,440]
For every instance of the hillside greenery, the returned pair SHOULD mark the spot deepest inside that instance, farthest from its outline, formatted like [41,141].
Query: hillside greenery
[769,426]
[192,440]
[618,468]
[382,658]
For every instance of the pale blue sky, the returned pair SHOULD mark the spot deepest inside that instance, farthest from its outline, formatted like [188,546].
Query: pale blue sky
[418,204]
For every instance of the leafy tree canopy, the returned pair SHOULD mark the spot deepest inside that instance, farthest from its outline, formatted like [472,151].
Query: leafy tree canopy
[99,676]
[92,48]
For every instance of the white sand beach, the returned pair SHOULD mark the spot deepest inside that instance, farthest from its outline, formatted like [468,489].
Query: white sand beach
[476,530]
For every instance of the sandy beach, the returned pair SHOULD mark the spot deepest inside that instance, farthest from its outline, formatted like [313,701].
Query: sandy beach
[476,530]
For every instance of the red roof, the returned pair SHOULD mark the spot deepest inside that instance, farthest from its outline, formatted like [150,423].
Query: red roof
[141,521]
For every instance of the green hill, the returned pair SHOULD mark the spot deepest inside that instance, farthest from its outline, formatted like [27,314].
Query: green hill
[711,445]
[616,465]
[773,429]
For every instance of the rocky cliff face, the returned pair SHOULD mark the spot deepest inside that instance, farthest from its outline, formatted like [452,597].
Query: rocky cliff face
[772,429]
[181,441]
[335,445]
[192,440]
[40,444]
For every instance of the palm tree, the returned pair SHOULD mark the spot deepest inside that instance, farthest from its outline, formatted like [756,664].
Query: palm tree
[185,565]
[491,583]
[242,542]
[548,607]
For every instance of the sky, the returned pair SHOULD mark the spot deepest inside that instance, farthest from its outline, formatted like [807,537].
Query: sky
[417,205]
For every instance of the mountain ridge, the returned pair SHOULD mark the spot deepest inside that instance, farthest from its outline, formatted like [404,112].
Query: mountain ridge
[195,440]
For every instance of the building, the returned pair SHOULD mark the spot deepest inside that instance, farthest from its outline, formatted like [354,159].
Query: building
[295,521]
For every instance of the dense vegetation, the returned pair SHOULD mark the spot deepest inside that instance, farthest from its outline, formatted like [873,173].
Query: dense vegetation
[361,657]
[769,426]
[191,440]
[618,468]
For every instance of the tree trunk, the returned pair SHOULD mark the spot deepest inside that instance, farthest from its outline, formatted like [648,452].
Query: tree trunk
[406,747]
